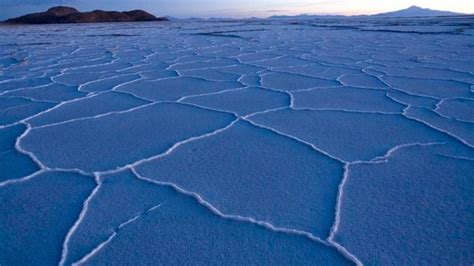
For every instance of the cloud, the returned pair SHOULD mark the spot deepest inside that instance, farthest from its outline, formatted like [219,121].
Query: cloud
[277,11]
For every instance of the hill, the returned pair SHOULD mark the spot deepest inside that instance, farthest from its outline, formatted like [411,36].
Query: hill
[64,14]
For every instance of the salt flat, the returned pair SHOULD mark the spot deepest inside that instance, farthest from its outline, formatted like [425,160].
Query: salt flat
[329,141]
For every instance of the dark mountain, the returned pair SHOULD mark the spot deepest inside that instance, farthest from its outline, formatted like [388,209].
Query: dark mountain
[63,14]
[415,11]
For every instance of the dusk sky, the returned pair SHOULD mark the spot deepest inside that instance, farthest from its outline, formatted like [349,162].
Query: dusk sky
[235,8]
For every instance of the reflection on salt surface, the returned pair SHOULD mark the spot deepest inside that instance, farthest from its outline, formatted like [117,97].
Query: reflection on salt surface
[330,141]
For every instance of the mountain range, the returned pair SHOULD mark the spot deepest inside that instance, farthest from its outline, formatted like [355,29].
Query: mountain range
[63,14]
[413,11]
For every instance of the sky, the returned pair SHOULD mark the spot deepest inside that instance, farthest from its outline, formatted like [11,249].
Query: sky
[235,8]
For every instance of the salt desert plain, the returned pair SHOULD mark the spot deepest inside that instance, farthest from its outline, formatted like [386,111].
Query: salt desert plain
[319,142]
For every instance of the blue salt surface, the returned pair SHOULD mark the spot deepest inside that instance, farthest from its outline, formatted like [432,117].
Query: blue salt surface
[12,163]
[243,101]
[346,98]
[425,73]
[413,100]
[158,74]
[109,67]
[430,87]
[319,71]
[99,144]
[300,183]
[120,197]
[463,131]
[361,151]
[108,83]
[37,214]
[152,66]
[363,81]
[210,74]
[24,83]
[88,107]
[7,62]
[54,92]
[286,60]
[179,230]
[415,208]
[15,165]
[350,136]
[256,57]
[11,102]
[250,80]
[17,113]
[204,64]
[242,69]
[292,82]
[175,88]
[461,109]
[75,79]
[8,137]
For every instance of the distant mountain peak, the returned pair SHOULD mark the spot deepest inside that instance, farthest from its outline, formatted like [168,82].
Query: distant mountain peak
[416,11]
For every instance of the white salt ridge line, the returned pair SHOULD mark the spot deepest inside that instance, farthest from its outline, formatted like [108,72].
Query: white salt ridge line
[129,110]
[347,111]
[440,102]
[331,64]
[246,117]
[23,179]
[381,73]
[29,99]
[384,158]
[7,151]
[456,157]
[96,116]
[85,206]
[89,95]
[28,153]
[301,75]
[16,106]
[198,68]
[102,79]
[359,86]
[99,247]
[27,88]
[91,66]
[168,151]
[56,65]
[260,60]
[330,87]
[211,93]
[61,104]
[296,139]
[137,96]
[242,76]
[450,117]
[439,129]
[42,171]
[395,89]
[264,224]
[263,87]
[340,195]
